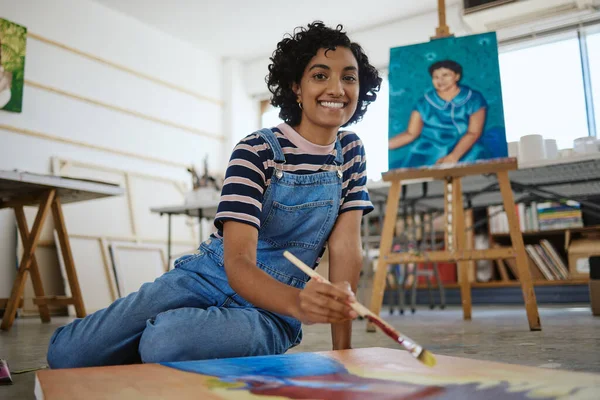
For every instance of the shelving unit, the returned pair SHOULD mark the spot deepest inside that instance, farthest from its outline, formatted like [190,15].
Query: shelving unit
[553,232]
[559,238]
[576,178]
[505,284]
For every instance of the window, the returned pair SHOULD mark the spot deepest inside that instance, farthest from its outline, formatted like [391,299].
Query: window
[373,131]
[593,47]
[543,93]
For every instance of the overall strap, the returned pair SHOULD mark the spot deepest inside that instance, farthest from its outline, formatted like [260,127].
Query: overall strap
[339,156]
[270,137]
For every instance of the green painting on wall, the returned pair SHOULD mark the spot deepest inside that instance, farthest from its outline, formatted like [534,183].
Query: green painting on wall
[13,40]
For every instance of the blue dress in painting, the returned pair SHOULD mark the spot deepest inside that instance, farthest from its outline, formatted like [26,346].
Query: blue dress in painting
[444,124]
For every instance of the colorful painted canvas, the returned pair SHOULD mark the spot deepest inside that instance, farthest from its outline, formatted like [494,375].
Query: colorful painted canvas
[13,40]
[374,373]
[446,102]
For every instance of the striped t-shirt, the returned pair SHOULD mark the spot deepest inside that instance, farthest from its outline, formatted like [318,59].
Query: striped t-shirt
[251,166]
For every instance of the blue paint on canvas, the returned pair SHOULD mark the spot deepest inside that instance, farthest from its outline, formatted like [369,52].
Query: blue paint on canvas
[446,122]
[292,365]
[309,375]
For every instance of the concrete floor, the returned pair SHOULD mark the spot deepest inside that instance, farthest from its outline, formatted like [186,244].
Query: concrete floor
[570,339]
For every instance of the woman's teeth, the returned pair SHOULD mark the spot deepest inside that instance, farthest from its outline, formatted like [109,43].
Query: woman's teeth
[331,104]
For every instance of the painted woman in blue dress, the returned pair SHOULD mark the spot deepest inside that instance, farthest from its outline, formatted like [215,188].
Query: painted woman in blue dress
[446,123]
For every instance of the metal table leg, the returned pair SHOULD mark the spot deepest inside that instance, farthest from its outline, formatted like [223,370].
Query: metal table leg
[435,264]
[402,293]
[415,246]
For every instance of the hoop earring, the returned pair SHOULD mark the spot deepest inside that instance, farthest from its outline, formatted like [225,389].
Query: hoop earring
[300,105]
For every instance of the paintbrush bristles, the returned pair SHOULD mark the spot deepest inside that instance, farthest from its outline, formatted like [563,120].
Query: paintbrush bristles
[427,358]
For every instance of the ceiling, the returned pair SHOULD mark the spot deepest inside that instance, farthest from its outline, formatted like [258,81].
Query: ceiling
[250,29]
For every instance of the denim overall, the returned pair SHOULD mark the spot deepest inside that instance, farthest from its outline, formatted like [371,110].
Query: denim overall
[191,312]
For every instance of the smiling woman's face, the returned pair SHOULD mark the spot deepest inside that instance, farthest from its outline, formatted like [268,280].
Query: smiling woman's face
[444,79]
[329,89]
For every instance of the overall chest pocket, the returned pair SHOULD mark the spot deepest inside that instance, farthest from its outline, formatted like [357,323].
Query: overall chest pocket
[303,225]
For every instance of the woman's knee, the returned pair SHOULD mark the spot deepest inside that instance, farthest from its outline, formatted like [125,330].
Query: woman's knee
[166,339]
[59,355]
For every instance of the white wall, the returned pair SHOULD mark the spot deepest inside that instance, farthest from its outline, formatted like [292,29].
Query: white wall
[376,42]
[241,111]
[97,30]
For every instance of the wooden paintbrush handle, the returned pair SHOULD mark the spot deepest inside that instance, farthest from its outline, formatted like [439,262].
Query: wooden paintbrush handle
[303,267]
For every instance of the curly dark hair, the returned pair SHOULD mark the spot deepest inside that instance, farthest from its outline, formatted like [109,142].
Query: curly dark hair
[292,56]
[448,64]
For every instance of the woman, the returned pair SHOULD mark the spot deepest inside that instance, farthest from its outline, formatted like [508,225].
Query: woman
[295,187]
[446,122]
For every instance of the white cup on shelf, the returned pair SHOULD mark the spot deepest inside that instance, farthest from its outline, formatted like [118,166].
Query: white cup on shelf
[513,149]
[531,148]
[586,144]
[565,153]
[551,149]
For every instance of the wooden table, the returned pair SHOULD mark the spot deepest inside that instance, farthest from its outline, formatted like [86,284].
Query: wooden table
[372,373]
[19,189]
[575,178]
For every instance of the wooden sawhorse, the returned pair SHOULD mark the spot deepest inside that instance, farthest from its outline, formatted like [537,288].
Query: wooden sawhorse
[19,189]
[455,233]
[47,199]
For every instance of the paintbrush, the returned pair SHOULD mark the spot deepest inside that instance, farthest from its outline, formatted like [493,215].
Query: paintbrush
[415,349]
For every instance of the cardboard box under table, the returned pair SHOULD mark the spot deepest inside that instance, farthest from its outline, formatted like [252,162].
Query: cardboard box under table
[579,253]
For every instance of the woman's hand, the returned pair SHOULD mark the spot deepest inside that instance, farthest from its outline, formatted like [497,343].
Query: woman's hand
[449,159]
[321,302]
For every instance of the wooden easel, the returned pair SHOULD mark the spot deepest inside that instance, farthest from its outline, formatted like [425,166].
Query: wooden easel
[442,30]
[455,235]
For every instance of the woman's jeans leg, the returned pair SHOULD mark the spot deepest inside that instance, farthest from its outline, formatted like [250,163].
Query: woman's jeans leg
[189,313]
[111,336]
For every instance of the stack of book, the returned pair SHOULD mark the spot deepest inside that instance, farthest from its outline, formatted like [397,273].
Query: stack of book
[548,261]
[559,215]
[544,263]
[536,217]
